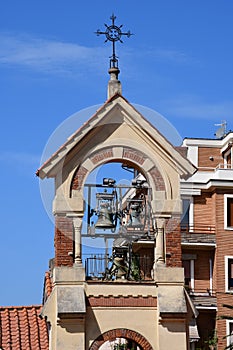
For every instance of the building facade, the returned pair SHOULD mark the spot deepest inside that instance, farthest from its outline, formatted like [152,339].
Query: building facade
[206,231]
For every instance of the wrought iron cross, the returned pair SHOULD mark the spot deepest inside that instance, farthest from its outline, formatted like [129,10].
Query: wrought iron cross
[113,33]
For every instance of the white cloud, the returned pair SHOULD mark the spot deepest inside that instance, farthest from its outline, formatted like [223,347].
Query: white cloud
[48,55]
[19,158]
[51,56]
[167,55]
[173,55]
[193,107]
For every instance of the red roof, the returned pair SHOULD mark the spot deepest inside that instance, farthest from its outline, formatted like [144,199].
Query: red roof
[48,286]
[21,328]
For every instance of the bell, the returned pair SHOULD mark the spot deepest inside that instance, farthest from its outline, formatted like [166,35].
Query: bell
[134,220]
[119,267]
[105,220]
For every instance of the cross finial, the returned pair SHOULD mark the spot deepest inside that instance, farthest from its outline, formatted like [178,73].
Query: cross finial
[113,33]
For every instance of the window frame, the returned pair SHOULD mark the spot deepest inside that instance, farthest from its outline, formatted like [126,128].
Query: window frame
[228,329]
[227,258]
[225,159]
[226,197]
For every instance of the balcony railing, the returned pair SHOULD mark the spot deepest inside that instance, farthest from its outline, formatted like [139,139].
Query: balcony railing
[105,268]
[201,233]
[199,228]
[203,298]
[224,166]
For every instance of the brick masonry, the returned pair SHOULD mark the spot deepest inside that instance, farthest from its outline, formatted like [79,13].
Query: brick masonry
[121,333]
[78,178]
[204,209]
[204,154]
[134,157]
[158,179]
[173,242]
[224,242]
[209,210]
[122,301]
[63,241]
[102,155]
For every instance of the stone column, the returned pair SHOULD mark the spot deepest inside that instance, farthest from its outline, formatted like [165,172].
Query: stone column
[160,242]
[114,85]
[77,222]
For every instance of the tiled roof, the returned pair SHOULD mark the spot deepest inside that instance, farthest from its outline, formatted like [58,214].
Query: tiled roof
[21,328]
[204,301]
[48,286]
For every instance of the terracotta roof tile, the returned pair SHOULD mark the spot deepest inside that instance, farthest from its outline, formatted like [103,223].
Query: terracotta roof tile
[48,283]
[21,328]
[48,286]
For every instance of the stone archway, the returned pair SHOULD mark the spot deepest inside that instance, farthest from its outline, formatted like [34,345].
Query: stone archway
[121,333]
[129,155]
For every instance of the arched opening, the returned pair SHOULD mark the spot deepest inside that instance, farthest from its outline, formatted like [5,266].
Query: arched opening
[117,223]
[121,339]
[120,344]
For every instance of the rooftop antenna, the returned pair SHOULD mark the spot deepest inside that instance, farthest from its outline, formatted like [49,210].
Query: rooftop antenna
[221,132]
[113,33]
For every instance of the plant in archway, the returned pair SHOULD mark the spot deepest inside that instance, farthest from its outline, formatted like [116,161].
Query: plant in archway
[125,344]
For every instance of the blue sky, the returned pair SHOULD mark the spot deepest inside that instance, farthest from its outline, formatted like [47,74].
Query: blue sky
[52,65]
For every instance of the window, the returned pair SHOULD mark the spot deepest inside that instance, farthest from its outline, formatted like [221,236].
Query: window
[229,333]
[228,212]
[187,216]
[188,265]
[187,276]
[228,159]
[229,273]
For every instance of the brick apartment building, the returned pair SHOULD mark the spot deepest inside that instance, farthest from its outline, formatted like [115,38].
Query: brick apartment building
[206,234]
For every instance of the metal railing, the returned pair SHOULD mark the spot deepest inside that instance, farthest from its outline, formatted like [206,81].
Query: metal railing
[200,292]
[200,233]
[205,298]
[197,228]
[106,268]
[224,166]
[95,266]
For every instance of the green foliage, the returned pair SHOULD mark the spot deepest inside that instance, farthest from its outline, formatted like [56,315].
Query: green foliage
[135,269]
[125,346]
[212,340]
[120,347]
[225,317]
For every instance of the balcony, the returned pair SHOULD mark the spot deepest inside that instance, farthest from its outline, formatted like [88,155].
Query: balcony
[105,268]
[203,299]
[203,235]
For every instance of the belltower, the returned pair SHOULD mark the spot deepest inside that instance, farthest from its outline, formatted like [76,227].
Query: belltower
[130,294]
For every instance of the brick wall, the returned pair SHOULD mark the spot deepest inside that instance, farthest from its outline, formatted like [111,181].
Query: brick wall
[204,210]
[122,301]
[223,311]
[204,154]
[121,333]
[224,241]
[202,270]
[173,242]
[78,178]
[63,241]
